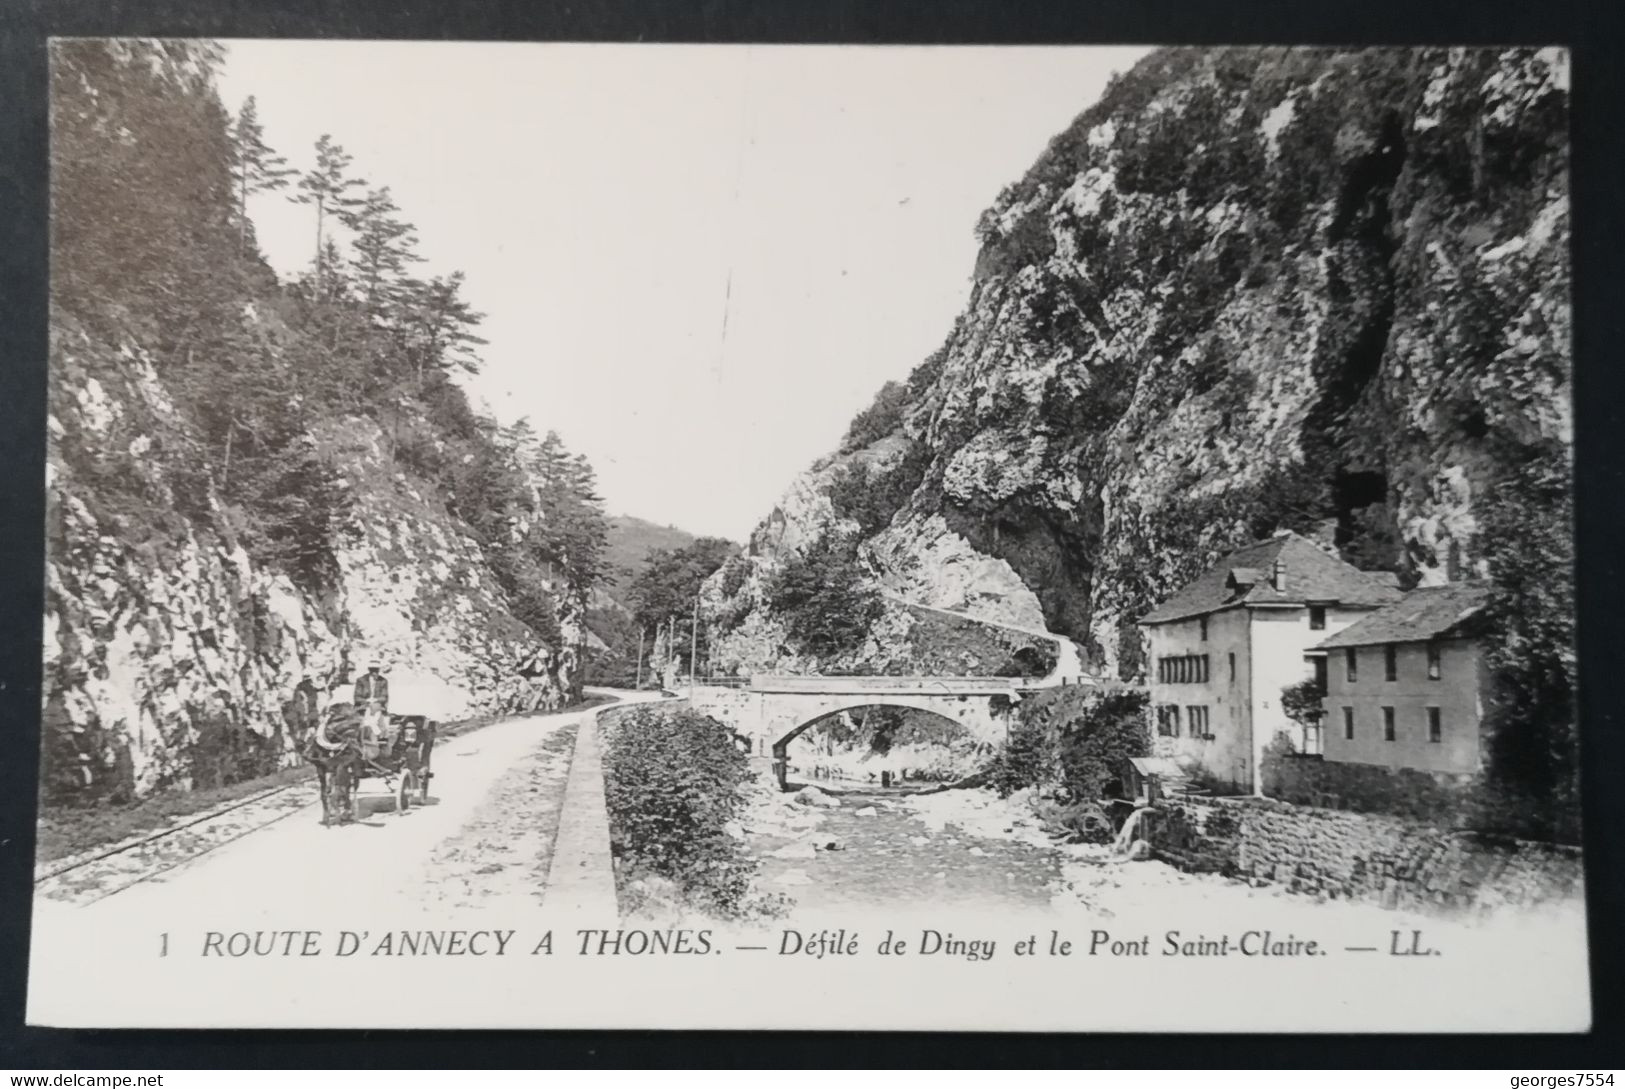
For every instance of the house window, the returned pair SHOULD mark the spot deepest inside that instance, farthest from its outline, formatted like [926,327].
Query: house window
[1197,717]
[1184,669]
[1317,618]
[1387,723]
[1232,665]
[1167,721]
[1203,622]
[1433,662]
[1353,662]
[1435,727]
[1390,662]
[1320,675]
[1348,724]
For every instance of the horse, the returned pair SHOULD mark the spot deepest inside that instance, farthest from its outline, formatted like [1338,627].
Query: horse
[334,749]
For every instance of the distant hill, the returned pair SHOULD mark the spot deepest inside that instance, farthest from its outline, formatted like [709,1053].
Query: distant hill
[630,542]
[609,614]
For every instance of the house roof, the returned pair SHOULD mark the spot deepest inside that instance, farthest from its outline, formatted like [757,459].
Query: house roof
[1431,612]
[1243,578]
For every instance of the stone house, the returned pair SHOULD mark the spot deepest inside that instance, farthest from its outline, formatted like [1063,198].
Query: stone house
[1223,647]
[1405,687]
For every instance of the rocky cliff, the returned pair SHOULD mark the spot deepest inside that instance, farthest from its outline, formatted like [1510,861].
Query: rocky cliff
[1248,289]
[171,656]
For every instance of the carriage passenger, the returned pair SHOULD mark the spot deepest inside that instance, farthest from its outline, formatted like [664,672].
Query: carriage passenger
[372,697]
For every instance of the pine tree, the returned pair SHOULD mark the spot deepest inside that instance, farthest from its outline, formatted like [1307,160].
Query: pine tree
[255,167]
[329,187]
[568,532]
[384,245]
[440,326]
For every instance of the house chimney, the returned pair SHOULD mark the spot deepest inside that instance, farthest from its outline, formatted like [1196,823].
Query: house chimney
[1278,576]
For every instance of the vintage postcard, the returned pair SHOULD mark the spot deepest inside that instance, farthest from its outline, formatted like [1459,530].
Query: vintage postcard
[652,536]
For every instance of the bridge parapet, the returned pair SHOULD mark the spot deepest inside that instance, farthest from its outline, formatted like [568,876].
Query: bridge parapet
[919,686]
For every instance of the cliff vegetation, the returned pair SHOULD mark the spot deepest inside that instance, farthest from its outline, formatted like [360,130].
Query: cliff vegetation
[256,480]
[1249,289]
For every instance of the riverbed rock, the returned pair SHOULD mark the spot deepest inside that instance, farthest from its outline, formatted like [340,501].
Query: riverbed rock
[799,849]
[867,811]
[813,796]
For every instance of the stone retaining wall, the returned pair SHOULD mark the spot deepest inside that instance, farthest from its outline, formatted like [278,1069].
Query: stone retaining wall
[1387,860]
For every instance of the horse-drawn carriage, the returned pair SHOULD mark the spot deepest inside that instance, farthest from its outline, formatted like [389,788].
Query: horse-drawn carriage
[399,756]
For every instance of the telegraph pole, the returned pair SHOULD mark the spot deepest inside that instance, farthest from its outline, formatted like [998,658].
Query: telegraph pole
[637,685]
[671,641]
[693,646]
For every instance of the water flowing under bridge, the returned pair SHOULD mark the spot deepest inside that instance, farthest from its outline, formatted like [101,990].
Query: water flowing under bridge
[773,709]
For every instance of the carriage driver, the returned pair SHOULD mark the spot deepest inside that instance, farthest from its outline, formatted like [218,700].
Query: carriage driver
[372,696]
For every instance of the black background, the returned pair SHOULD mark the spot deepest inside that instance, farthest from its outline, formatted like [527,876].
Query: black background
[1591,30]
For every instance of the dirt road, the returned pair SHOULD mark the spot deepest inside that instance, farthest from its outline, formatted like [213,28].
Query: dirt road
[484,839]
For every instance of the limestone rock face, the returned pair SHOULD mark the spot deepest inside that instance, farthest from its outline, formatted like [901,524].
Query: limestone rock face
[1249,289]
[171,657]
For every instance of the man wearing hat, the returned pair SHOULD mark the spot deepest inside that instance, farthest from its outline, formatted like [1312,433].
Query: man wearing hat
[372,697]
[306,706]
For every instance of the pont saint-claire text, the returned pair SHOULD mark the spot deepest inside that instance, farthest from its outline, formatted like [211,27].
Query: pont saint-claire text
[830,943]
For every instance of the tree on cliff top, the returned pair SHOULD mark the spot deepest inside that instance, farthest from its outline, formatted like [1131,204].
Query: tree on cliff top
[330,187]
[883,416]
[255,168]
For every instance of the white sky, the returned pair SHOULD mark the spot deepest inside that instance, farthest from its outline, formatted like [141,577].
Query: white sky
[598,197]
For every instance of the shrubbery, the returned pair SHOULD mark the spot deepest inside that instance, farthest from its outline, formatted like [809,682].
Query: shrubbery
[672,782]
[1530,642]
[883,416]
[1485,804]
[1078,740]
[824,598]
[1302,702]
[871,495]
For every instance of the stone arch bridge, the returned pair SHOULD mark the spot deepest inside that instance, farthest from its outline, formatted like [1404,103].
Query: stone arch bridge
[773,710]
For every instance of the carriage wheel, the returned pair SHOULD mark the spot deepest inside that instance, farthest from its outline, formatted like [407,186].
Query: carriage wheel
[403,791]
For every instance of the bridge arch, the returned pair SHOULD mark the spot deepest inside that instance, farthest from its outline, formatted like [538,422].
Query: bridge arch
[834,752]
[787,708]
[774,710]
[861,704]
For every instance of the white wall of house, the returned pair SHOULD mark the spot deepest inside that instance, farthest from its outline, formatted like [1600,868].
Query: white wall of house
[1224,694]
[1457,694]
[1279,638]
[1244,713]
